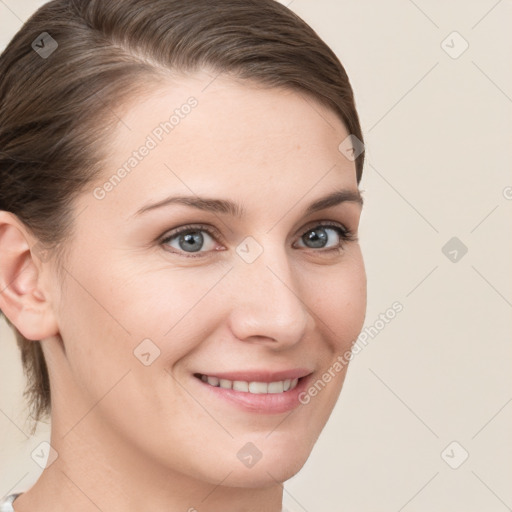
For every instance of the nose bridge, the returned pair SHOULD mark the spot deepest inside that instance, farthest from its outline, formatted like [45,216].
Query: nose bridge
[269,303]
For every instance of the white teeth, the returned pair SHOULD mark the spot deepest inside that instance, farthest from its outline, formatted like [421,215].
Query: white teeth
[252,387]
[214,381]
[275,387]
[258,387]
[240,385]
[226,384]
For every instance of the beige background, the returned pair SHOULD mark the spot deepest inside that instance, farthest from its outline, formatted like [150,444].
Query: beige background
[438,147]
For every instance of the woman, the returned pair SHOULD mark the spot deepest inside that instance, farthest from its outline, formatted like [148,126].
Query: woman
[178,244]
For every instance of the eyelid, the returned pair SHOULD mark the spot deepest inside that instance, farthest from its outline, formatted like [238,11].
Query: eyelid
[325,223]
[211,230]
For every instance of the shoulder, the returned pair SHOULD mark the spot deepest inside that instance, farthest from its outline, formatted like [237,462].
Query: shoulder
[6,502]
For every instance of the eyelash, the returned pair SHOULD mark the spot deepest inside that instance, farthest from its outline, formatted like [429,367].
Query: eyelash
[345,234]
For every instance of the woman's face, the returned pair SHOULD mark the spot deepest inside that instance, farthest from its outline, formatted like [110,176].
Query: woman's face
[261,291]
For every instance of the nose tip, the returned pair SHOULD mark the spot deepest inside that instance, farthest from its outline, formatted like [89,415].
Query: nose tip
[269,306]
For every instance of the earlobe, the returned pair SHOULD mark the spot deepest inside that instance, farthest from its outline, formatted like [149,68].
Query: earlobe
[22,298]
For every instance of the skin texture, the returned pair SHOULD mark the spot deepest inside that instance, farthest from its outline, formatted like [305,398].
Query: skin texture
[135,437]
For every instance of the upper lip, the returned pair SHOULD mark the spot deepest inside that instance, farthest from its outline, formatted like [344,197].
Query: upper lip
[260,375]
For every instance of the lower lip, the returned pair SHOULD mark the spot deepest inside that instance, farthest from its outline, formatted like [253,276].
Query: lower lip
[262,403]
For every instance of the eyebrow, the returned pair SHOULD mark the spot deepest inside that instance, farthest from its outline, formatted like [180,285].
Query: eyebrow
[226,206]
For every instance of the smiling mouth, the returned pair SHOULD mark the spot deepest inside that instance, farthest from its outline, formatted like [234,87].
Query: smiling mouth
[253,387]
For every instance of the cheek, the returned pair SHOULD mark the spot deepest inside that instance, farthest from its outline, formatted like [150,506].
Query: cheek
[95,331]
[340,301]
[136,321]
[173,307]
[110,320]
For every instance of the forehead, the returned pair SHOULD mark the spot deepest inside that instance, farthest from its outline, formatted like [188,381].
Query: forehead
[200,133]
[226,113]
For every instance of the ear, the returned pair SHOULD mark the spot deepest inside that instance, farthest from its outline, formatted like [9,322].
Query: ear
[22,297]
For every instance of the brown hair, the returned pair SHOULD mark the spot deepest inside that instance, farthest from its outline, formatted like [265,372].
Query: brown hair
[65,71]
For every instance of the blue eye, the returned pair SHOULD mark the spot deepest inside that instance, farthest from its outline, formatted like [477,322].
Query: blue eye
[319,236]
[191,239]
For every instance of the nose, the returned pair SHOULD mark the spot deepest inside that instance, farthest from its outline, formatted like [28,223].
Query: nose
[267,303]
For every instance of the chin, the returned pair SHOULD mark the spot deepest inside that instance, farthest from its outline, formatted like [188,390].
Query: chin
[279,462]
[267,474]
